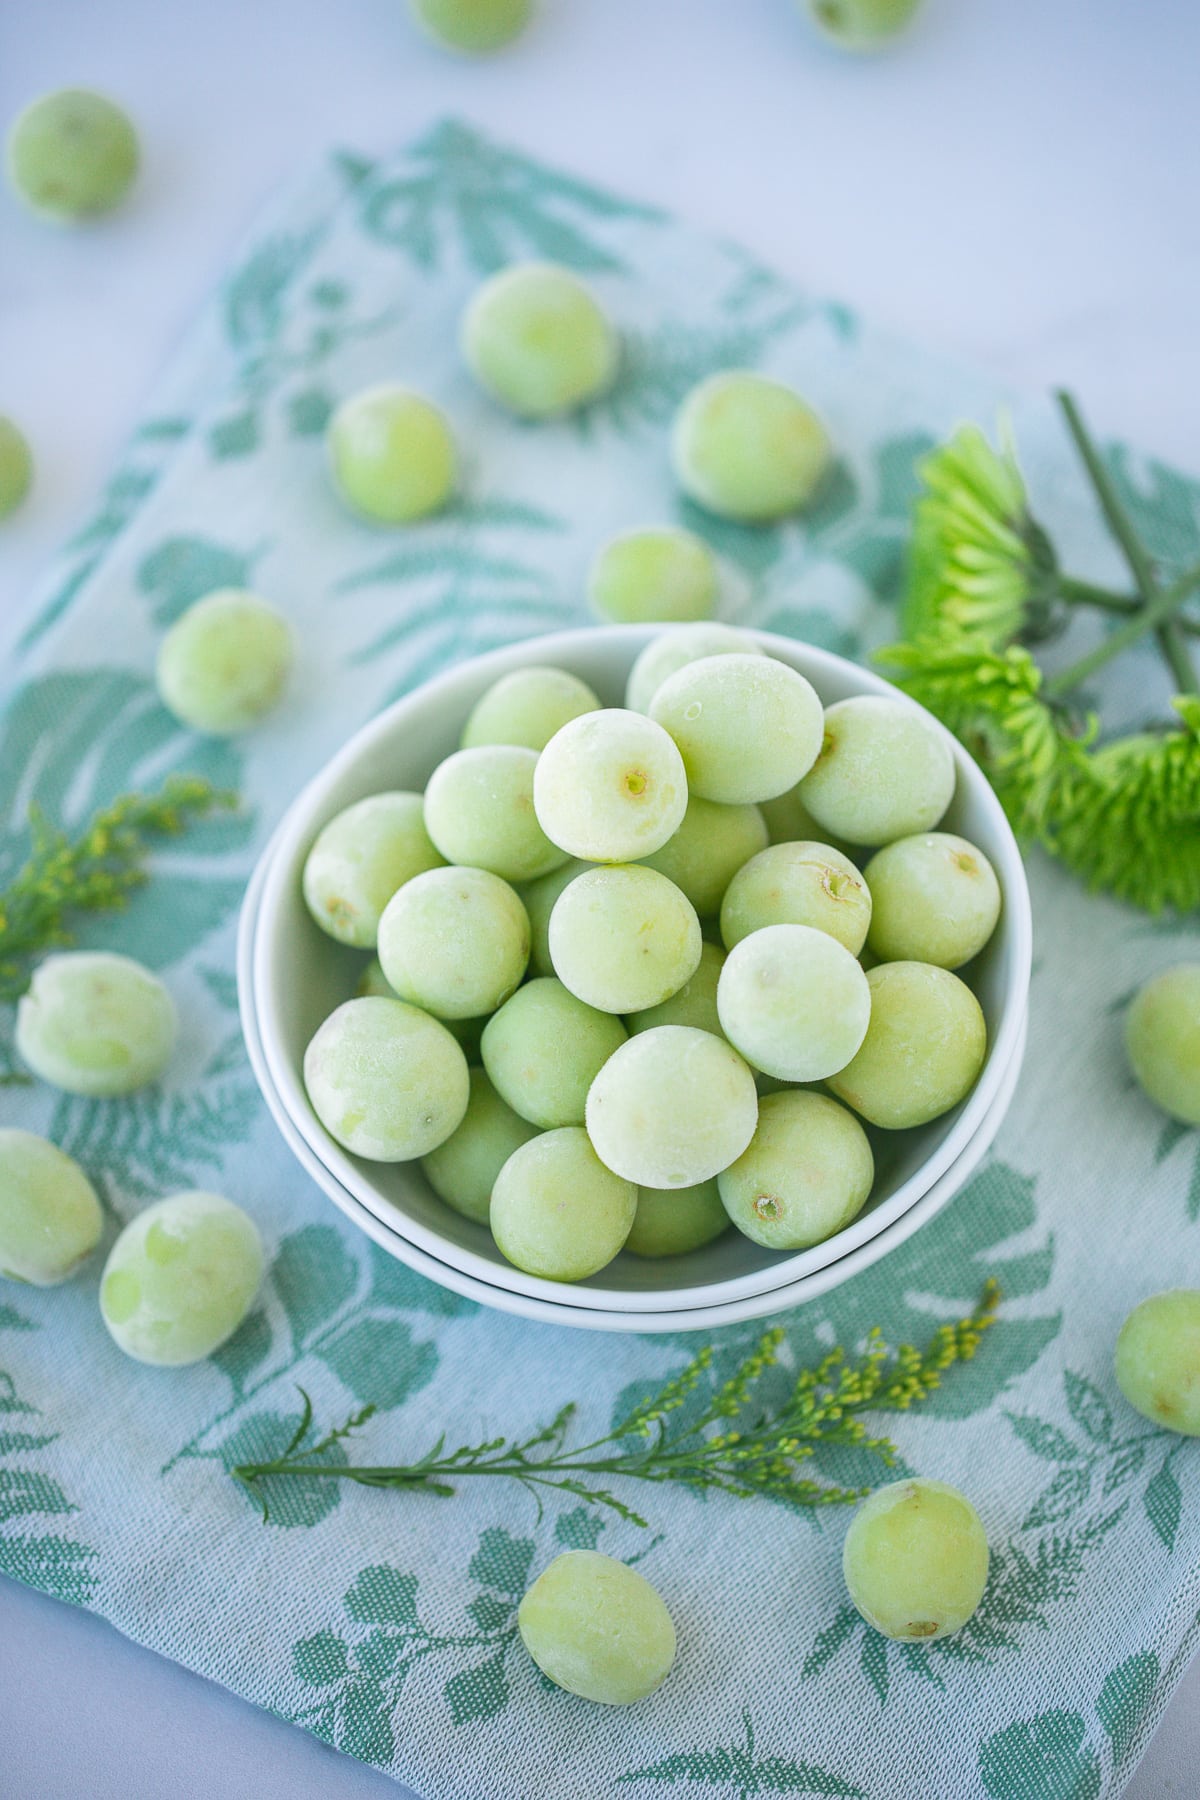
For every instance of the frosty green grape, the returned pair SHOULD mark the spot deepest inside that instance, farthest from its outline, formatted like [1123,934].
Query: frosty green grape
[610,787]
[479,811]
[527,707]
[16,467]
[223,665]
[536,339]
[708,849]
[673,1107]
[788,820]
[455,942]
[936,900]
[798,884]
[181,1278]
[674,649]
[538,898]
[96,1024]
[544,1048]
[360,859]
[923,1050]
[392,455]
[671,1221]
[50,1218]
[885,771]
[557,1211]
[386,1080]
[624,938]
[1162,1040]
[596,1627]
[695,1003]
[805,1174]
[463,1170]
[916,1560]
[747,727]
[1157,1360]
[72,155]
[660,572]
[860,24]
[748,448]
[474,27]
[794,1002]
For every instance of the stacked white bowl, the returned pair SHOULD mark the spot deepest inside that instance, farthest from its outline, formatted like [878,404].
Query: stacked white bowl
[291,976]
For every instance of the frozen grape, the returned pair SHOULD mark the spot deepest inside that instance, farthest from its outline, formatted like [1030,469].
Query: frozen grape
[673,1107]
[610,787]
[225,662]
[748,448]
[557,1211]
[537,340]
[386,1080]
[96,1024]
[675,649]
[798,884]
[709,848]
[543,1050]
[694,1004]
[860,24]
[936,900]
[671,1221]
[806,1173]
[916,1560]
[794,1002]
[72,155]
[16,467]
[479,811]
[392,455]
[473,26]
[181,1278]
[463,1170]
[527,708]
[455,942]
[50,1218]
[596,1627]
[747,727]
[923,1049]
[360,859]
[539,898]
[373,984]
[788,820]
[885,771]
[1158,1360]
[660,572]
[1162,1039]
[623,938]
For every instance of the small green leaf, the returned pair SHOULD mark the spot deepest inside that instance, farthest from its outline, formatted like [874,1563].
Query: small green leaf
[314,1276]
[875,1663]
[181,570]
[478,1693]
[245,1350]
[1064,1496]
[300,1500]
[1043,1439]
[56,1565]
[1126,1697]
[489,1613]
[308,412]
[320,1660]
[366,1723]
[393,1283]
[379,1362]
[502,1562]
[775,1776]
[1127,1460]
[1164,1503]
[25,1491]
[578,1529]
[1168,1137]
[383,1596]
[12,1320]
[1040,1759]
[235,436]
[1088,1407]
[378,1654]
[830,1640]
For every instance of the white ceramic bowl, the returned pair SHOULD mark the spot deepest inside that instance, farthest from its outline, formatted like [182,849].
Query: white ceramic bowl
[297,976]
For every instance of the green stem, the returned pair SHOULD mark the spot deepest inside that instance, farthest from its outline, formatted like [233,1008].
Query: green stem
[1123,606]
[1146,618]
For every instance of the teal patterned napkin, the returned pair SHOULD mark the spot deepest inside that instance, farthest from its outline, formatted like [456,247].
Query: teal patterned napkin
[386,1623]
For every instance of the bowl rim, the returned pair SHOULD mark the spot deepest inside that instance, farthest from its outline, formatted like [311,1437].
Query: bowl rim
[299,824]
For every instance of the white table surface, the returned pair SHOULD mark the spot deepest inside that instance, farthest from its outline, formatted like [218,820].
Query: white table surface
[1016,184]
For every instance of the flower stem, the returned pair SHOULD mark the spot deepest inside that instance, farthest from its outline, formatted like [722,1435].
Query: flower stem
[1146,618]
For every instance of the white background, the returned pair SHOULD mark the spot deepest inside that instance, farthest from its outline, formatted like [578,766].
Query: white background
[1017,184]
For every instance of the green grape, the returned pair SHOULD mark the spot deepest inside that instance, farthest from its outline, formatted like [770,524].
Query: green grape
[794,1002]
[595,1627]
[671,1221]
[473,26]
[798,884]
[360,859]
[538,341]
[1162,1040]
[885,771]
[673,1107]
[1158,1360]
[788,820]
[557,1211]
[463,1170]
[936,900]
[96,1024]
[479,811]
[660,572]
[610,787]
[71,155]
[623,938]
[807,1172]
[923,1049]
[543,1050]
[50,1218]
[16,467]
[392,455]
[709,848]
[181,1278]
[674,649]
[916,1560]
[747,727]
[527,708]
[695,1003]
[860,24]
[539,898]
[224,663]
[386,1080]
[373,984]
[454,942]
[748,448]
